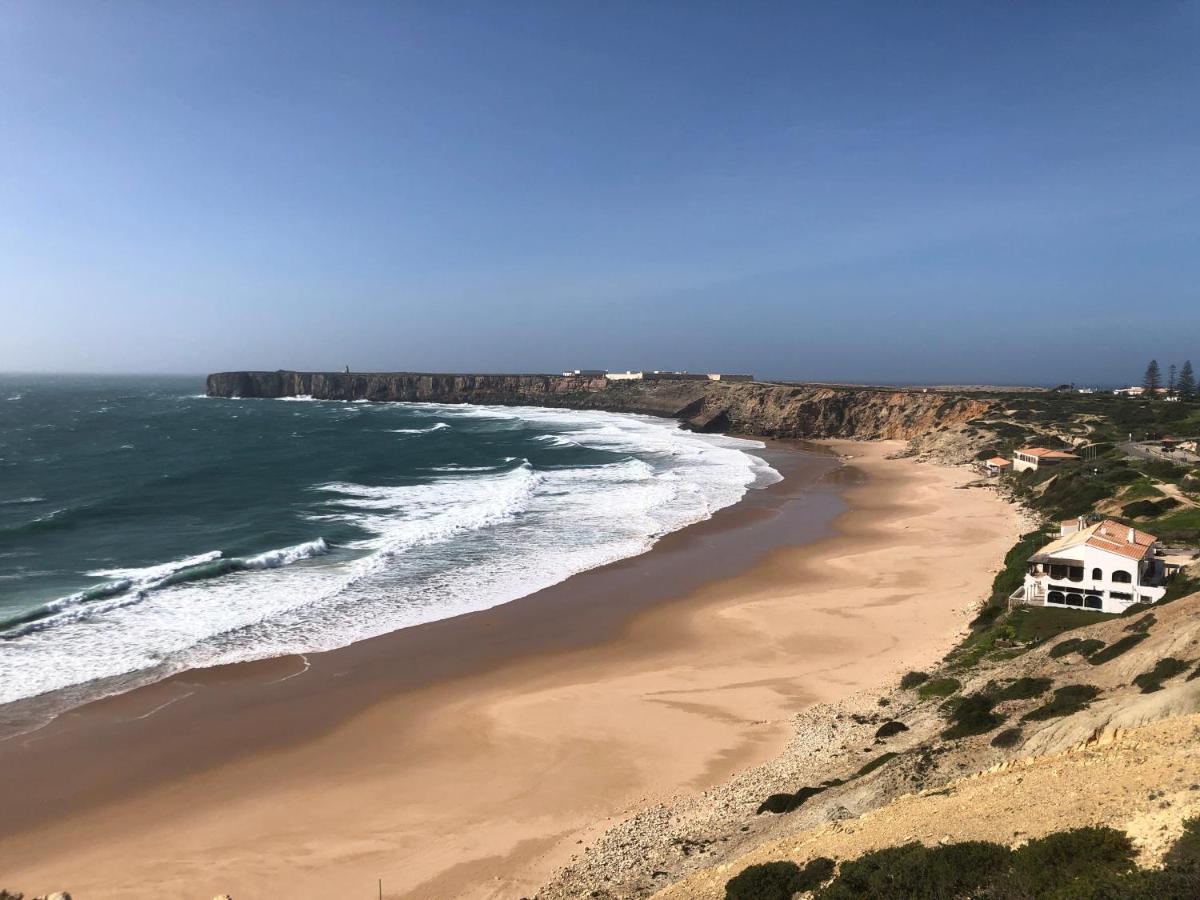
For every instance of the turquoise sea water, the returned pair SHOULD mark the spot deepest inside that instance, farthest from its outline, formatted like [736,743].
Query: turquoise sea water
[146,529]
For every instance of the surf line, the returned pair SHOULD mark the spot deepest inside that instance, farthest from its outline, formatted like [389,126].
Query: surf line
[307,666]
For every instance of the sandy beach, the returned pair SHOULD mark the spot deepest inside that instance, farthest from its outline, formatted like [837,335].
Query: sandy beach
[473,757]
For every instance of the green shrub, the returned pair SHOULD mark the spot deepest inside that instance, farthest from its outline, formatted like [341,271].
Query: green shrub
[1179,586]
[786,803]
[1041,623]
[1083,646]
[938,687]
[766,881]
[1139,509]
[1112,651]
[1025,689]
[912,679]
[778,880]
[1083,864]
[887,729]
[1142,624]
[816,873]
[1067,700]
[915,871]
[1143,489]
[1009,737]
[972,715]
[1186,852]
[875,764]
[1048,864]
[1166,668]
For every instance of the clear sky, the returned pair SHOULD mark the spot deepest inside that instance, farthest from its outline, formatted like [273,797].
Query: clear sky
[920,192]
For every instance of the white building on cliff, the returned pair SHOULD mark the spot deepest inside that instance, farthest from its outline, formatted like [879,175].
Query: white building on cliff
[1106,567]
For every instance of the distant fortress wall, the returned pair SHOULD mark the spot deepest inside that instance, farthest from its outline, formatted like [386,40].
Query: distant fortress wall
[768,410]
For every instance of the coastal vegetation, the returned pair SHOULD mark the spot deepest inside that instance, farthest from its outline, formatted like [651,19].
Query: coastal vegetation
[1089,862]
[938,687]
[1165,668]
[1067,700]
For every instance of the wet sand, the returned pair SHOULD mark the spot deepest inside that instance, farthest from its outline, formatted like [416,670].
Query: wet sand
[466,758]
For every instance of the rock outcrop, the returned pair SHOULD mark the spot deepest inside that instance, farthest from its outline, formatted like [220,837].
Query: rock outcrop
[768,410]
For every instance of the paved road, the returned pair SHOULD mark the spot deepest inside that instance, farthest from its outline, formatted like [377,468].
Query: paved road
[1154,451]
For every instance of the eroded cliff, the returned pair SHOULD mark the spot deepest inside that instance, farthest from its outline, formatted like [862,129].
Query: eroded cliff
[769,410]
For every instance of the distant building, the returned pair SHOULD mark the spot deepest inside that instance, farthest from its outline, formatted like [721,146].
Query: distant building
[1106,567]
[586,372]
[1135,391]
[656,375]
[723,376]
[998,465]
[1035,458]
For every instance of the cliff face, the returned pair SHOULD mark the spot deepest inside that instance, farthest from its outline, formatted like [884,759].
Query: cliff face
[769,410]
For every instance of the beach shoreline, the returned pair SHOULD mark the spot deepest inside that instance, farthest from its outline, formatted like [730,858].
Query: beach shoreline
[510,754]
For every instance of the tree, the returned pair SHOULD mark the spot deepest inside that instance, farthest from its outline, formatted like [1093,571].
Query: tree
[1152,381]
[1171,378]
[1187,382]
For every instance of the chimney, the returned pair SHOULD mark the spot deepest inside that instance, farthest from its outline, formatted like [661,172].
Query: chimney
[1131,540]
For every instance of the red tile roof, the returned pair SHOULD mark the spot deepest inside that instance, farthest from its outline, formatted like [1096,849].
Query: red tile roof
[1045,453]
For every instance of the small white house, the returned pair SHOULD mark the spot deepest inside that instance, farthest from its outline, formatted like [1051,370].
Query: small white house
[998,465]
[1106,567]
[1038,457]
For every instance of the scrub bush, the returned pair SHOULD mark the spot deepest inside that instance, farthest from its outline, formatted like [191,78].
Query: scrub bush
[1067,700]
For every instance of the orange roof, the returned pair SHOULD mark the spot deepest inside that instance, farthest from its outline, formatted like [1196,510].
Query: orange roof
[1108,535]
[1046,453]
[999,461]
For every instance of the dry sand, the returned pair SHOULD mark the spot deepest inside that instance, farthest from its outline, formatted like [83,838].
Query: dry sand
[480,785]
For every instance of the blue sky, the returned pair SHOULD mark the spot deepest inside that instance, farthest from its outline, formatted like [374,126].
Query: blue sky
[1003,192]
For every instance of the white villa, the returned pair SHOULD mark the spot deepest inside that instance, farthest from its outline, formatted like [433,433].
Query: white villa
[1037,457]
[1106,566]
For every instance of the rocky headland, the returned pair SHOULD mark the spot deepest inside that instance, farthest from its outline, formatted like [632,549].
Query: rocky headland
[757,408]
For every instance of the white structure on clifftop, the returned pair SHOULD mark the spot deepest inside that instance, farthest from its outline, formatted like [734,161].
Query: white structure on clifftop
[662,375]
[1107,567]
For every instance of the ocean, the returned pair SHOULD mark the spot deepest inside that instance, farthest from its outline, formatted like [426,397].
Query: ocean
[146,529]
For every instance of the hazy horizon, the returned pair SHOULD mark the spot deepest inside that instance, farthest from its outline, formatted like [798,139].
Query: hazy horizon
[859,193]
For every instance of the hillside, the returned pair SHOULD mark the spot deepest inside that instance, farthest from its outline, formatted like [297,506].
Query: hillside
[1094,726]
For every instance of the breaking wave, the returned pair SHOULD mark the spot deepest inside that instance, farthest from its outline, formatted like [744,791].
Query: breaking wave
[535,496]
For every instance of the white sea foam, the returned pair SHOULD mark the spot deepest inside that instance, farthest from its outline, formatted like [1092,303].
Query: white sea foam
[273,559]
[436,426]
[150,574]
[468,539]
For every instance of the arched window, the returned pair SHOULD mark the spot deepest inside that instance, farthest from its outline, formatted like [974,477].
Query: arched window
[1074,600]
[1091,601]
[1097,574]
[1122,577]
[1055,597]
